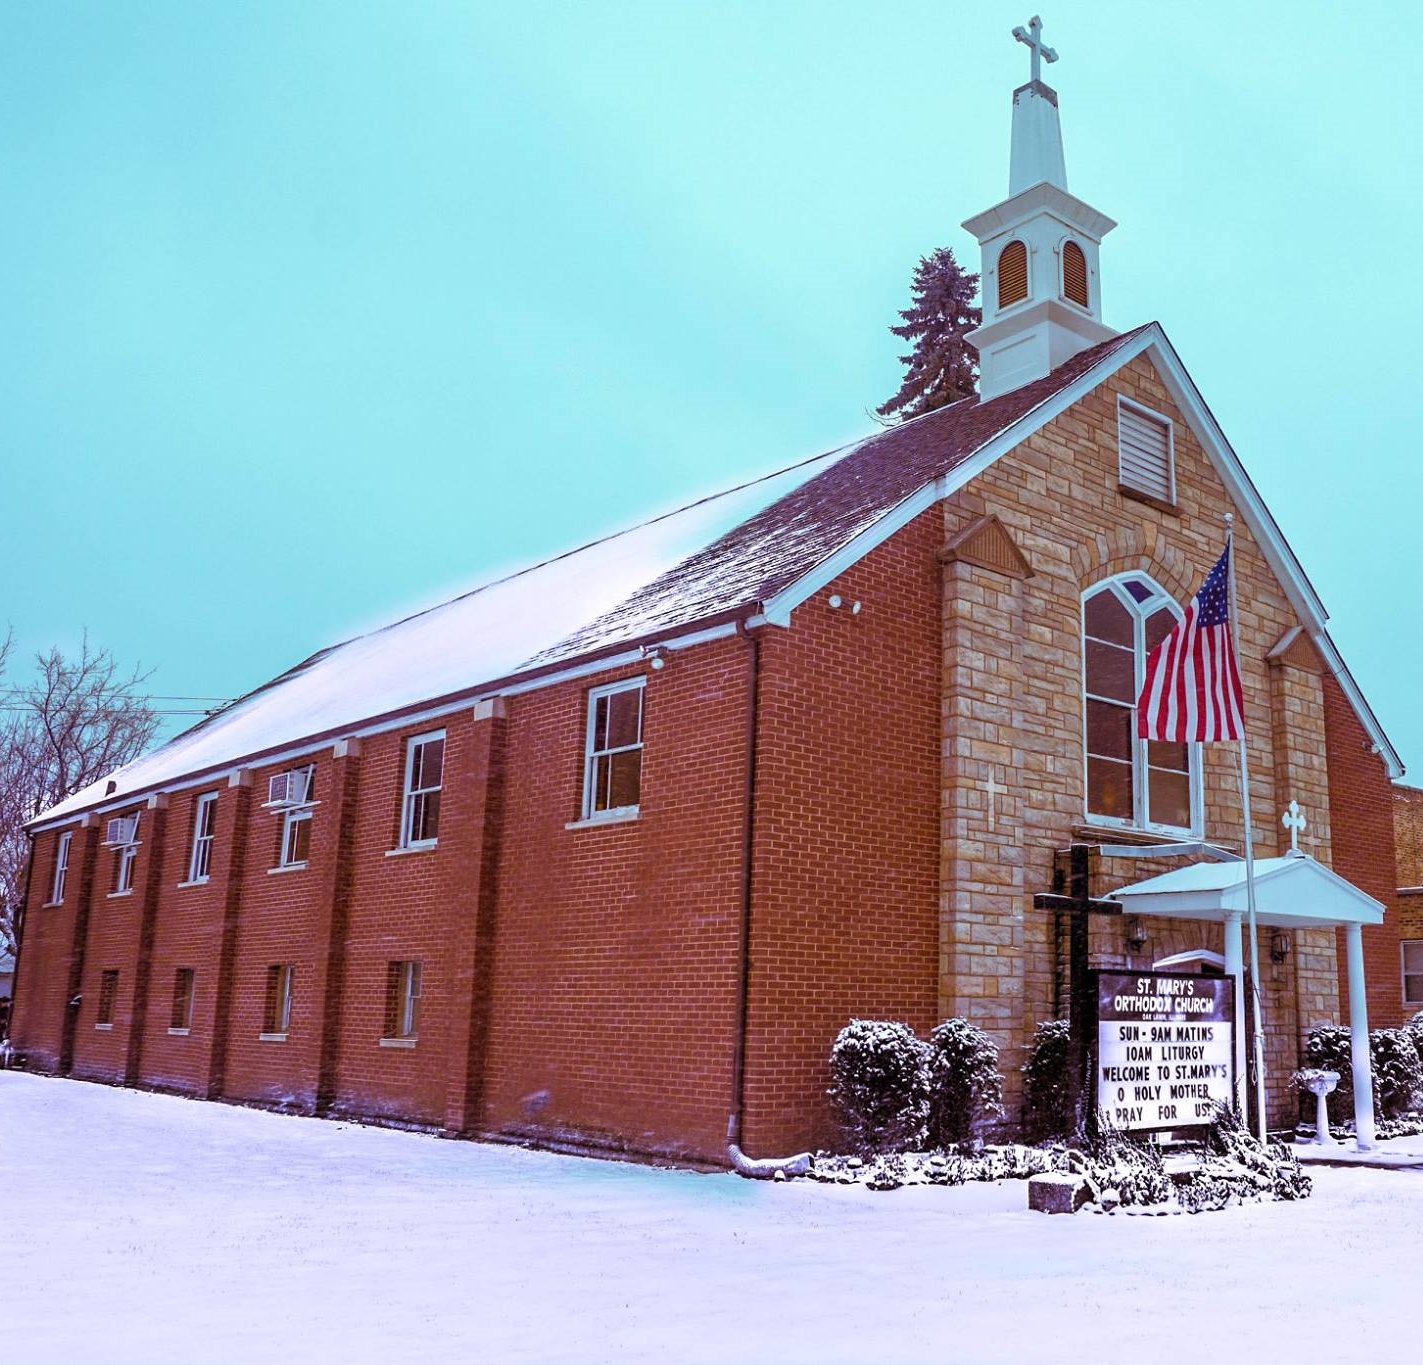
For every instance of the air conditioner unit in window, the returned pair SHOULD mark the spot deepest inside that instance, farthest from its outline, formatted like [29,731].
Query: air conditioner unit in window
[121,831]
[292,788]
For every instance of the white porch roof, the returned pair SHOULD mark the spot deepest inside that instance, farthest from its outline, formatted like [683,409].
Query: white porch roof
[1293,892]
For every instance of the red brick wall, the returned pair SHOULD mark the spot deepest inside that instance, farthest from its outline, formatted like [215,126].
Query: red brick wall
[280,922]
[847,830]
[1361,819]
[187,933]
[42,978]
[112,945]
[615,967]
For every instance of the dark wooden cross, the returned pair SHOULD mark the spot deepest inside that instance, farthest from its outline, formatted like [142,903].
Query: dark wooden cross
[1072,895]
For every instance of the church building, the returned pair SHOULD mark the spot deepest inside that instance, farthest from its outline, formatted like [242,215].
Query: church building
[604,854]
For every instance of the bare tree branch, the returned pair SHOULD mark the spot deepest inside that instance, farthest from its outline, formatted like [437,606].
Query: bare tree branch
[77,720]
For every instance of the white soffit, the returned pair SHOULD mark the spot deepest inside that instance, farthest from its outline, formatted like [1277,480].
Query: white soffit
[1293,892]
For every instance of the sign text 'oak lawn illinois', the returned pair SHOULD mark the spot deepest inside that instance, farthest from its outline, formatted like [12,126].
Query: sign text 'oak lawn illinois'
[1165,1048]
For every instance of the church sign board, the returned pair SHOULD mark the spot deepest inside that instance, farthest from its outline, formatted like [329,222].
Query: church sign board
[1165,1048]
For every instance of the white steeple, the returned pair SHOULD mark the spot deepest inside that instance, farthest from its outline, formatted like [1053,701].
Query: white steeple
[1042,299]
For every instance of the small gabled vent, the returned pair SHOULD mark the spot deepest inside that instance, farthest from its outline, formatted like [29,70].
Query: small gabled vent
[121,831]
[1144,449]
[1074,274]
[291,788]
[1012,274]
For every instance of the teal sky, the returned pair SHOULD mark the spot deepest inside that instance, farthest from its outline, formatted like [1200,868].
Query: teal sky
[318,312]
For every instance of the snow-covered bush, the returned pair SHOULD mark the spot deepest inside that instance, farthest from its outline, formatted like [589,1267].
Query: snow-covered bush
[965,1089]
[1398,1073]
[1127,1172]
[1047,1097]
[879,1086]
[1414,1029]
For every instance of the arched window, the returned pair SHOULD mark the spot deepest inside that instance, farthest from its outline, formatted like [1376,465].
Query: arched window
[1133,782]
[1012,274]
[1074,274]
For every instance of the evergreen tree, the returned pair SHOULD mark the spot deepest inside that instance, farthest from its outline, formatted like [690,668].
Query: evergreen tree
[942,368]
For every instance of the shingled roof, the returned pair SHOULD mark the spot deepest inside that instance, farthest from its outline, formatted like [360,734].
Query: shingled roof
[721,558]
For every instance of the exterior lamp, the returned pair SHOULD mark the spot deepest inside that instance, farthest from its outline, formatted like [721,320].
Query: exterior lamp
[1136,934]
[1279,946]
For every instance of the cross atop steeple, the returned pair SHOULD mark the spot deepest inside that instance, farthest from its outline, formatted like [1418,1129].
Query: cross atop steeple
[1032,36]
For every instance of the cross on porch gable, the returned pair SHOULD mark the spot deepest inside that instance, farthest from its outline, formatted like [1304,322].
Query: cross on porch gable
[1032,36]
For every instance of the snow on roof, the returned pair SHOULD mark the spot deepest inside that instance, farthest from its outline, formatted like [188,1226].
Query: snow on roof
[492,632]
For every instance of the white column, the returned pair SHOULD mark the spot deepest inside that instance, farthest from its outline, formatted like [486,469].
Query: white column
[1359,1040]
[1235,966]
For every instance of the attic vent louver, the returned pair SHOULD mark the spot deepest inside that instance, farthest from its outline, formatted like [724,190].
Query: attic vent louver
[1145,453]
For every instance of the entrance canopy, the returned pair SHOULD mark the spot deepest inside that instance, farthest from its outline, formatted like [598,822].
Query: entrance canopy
[1293,892]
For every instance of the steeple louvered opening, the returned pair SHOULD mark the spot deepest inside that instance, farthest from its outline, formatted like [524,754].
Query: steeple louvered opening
[1074,274]
[1012,274]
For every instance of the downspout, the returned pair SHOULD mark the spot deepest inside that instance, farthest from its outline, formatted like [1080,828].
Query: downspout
[741,1163]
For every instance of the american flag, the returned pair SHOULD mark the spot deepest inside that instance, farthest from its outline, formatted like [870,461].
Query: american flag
[1192,689]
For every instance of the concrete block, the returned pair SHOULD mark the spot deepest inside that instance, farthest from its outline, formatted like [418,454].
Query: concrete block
[1057,1193]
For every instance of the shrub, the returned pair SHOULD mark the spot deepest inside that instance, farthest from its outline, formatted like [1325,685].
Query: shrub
[1398,1074]
[1047,1097]
[1394,1062]
[1414,1030]
[879,1086]
[965,1089]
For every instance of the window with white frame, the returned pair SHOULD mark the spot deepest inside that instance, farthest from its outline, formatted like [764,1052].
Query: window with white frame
[61,867]
[1145,452]
[402,1000]
[277,1010]
[612,773]
[125,855]
[424,775]
[204,827]
[1132,782]
[180,1020]
[1413,971]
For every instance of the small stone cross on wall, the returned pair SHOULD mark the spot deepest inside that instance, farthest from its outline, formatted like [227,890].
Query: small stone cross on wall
[1294,821]
[1032,36]
[994,792]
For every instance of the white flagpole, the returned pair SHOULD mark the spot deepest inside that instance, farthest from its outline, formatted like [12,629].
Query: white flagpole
[1259,1037]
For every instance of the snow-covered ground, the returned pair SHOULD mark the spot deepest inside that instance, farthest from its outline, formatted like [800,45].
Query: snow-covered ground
[145,1228]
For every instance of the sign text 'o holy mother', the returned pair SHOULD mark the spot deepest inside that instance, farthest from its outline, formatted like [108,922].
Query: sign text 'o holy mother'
[1165,1048]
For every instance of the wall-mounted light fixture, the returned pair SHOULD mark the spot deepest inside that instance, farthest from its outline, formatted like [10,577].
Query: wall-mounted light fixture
[1279,946]
[653,655]
[1136,934]
[835,602]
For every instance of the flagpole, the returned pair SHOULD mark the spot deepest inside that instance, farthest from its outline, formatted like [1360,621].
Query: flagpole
[1259,1034]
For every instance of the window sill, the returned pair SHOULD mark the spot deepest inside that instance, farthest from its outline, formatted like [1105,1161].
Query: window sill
[177,1033]
[200,881]
[1135,834]
[118,895]
[51,905]
[282,808]
[615,817]
[104,1028]
[271,1037]
[287,867]
[1136,495]
[428,847]
[398,1042]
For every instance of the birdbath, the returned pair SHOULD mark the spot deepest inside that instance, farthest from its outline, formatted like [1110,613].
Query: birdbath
[1319,1084]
